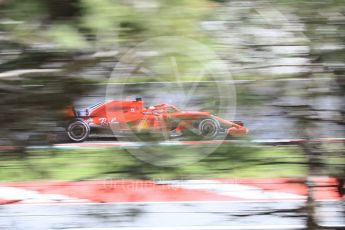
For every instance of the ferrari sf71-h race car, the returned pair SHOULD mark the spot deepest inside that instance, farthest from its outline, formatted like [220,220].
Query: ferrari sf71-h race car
[118,117]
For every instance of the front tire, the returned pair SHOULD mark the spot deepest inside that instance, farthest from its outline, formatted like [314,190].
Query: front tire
[78,130]
[209,128]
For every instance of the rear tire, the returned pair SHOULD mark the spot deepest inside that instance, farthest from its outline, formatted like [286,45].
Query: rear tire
[78,130]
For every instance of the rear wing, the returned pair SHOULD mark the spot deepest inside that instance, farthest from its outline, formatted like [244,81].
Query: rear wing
[70,112]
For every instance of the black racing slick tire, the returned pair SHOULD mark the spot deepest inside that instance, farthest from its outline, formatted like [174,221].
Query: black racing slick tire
[209,128]
[78,130]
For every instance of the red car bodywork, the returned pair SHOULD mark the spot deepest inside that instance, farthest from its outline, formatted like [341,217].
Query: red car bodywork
[132,116]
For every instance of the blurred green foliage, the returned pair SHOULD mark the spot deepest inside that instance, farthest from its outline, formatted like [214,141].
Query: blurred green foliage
[228,161]
[80,24]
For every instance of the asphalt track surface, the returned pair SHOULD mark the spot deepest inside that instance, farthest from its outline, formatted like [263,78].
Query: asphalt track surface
[167,215]
[94,143]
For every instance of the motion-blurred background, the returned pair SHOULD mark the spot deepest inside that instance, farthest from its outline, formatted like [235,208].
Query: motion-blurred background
[287,56]
[285,59]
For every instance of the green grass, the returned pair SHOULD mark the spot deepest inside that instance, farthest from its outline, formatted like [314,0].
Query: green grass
[226,161]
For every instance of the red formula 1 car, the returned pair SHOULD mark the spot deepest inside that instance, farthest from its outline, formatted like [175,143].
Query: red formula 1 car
[131,117]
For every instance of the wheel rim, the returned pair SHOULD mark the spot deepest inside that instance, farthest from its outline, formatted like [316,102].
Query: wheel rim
[208,129]
[77,131]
